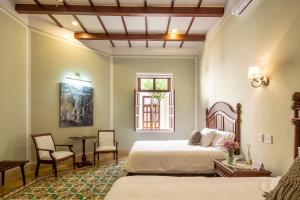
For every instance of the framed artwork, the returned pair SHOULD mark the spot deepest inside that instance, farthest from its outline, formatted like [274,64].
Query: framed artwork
[76,105]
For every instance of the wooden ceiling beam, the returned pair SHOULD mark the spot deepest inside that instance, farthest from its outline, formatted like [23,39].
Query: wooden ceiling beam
[191,23]
[169,21]
[51,16]
[105,30]
[123,22]
[146,26]
[102,24]
[139,37]
[120,11]
[75,17]
[146,23]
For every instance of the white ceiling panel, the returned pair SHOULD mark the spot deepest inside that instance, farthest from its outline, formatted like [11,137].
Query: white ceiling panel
[138,43]
[186,3]
[135,24]
[91,23]
[97,44]
[53,2]
[157,24]
[121,43]
[76,2]
[156,43]
[214,2]
[180,23]
[24,1]
[173,44]
[159,2]
[66,22]
[131,2]
[113,24]
[44,18]
[188,44]
[105,2]
[203,24]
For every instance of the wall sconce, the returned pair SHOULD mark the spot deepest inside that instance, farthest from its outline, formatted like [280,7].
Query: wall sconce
[78,78]
[257,78]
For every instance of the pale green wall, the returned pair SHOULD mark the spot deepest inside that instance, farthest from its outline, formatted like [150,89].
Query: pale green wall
[267,36]
[13,89]
[125,69]
[53,60]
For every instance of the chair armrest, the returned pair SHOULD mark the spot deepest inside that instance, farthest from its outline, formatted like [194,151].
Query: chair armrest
[65,145]
[116,143]
[49,150]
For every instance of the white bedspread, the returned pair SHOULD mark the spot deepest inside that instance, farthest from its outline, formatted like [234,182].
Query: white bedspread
[171,156]
[190,188]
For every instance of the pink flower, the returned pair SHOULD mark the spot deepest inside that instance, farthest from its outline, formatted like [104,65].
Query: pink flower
[231,146]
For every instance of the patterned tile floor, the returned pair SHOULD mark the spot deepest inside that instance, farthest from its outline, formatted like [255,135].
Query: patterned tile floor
[85,183]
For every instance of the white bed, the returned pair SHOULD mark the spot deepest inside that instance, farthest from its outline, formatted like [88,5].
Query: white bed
[171,156]
[190,188]
[176,156]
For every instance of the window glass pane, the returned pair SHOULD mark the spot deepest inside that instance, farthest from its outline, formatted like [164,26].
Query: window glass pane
[146,84]
[161,84]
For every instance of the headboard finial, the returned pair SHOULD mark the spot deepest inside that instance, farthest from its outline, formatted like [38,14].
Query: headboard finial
[296,99]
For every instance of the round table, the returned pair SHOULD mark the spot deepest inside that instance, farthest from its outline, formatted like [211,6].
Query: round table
[83,157]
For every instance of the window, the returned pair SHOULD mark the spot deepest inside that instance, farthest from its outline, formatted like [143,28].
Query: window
[154,103]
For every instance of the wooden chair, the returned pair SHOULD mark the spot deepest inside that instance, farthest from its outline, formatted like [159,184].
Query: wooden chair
[106,144]
[46,152]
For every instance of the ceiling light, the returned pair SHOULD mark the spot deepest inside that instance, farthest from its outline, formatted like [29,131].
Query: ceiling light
[75,23]
[174,31]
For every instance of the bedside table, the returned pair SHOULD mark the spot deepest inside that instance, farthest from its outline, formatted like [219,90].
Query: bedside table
[224,170]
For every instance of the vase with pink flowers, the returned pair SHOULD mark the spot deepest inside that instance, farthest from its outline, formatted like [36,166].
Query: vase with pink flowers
[230,148]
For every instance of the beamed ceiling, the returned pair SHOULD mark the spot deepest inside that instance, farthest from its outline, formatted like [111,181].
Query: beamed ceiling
[130,23]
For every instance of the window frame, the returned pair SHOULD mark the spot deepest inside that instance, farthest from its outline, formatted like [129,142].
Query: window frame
[154,84]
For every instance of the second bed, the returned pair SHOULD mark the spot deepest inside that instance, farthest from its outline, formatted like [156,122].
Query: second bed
[176,157]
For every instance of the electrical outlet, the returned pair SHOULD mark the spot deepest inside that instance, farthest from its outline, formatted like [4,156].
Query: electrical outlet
[269,139]
[260,137]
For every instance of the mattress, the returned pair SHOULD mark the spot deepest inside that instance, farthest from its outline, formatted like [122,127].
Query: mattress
[171,156]
[190,188]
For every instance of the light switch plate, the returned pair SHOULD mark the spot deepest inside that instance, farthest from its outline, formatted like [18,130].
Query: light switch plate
[260,137]
[269,139]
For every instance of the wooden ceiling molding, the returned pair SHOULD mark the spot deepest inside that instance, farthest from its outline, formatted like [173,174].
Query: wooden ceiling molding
[139,37]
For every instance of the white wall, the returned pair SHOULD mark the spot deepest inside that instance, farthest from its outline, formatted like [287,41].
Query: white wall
[267,36]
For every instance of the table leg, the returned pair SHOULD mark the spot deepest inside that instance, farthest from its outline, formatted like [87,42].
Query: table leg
[23,174]
[2,178]
[83,151]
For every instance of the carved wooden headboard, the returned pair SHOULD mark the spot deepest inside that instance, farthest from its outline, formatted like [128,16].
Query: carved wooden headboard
[223,117]
[296,121]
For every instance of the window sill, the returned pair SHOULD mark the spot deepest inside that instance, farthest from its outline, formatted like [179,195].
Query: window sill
[154,131]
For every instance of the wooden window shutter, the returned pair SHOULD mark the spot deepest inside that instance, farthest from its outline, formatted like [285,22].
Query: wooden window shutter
[172,110]
[136,109]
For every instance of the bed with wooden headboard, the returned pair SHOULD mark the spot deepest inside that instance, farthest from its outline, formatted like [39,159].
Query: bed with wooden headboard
[223,117]
[176,157]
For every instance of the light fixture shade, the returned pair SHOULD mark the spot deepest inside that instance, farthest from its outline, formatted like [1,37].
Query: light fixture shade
[254,72]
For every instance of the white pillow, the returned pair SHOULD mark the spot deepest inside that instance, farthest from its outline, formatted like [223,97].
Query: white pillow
[221,137]
[207,136]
